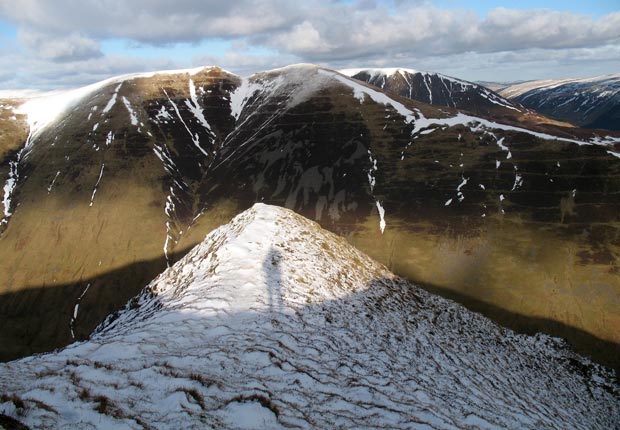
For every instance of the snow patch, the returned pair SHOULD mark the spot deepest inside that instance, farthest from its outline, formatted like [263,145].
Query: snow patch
[241,95]
[109,138]
[476,123]
[76,309]
[163,115]
[9,187]
[195,108]
[249,416]
[381,216]
[374,72]
[195,137]
[43,109]
[518,181]
[459,193]
[132,114]
[112,100]
[615,154]
[49,189]
[92,197]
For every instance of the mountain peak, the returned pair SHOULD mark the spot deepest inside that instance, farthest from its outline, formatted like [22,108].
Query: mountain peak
[43,109]
[295,66]
[376,71]
[249,265]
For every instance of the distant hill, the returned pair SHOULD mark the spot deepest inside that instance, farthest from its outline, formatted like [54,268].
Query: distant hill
[590,102]
[435,89]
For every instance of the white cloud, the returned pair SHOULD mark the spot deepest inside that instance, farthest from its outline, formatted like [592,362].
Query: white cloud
[245,63]
[302,38]
[525,64]
[432,31]
[59,48]
[153,21]
[57,37]
[519,29]
[41,74]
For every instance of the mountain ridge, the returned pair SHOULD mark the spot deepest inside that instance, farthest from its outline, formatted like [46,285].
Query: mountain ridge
[434,88]
[139,171]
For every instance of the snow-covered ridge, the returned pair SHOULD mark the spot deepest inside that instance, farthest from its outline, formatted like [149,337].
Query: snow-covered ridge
[421,122]
[42,110]
[387,71]
[434,83]
[274,323]
[391,71]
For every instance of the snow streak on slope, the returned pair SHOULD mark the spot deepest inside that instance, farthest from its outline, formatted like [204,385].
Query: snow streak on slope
[13,178]
[92,198]
[372,180]
[108,107]
[194,136]
[274,323]
[177,188]
[132,114]
[49,189]
[9,187]
[195,108]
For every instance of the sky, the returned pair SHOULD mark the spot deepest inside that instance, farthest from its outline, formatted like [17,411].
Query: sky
[52,44]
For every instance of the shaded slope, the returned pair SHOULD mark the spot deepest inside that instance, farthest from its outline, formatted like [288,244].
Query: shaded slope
[272,322]
[104,184]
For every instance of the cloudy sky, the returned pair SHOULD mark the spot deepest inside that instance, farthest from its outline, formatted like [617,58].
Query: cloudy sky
[47,44]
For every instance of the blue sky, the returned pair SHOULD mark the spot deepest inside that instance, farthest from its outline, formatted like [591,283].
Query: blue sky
[595,9]
[67,43]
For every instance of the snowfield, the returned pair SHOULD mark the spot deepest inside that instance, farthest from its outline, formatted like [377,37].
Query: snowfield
[274,323]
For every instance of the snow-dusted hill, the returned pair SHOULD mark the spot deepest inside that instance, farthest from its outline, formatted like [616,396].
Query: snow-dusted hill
[435,89]
[272,323]
[590,102]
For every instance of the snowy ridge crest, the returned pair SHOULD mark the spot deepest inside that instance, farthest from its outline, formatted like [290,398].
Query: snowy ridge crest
[274,323]
[241,266]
